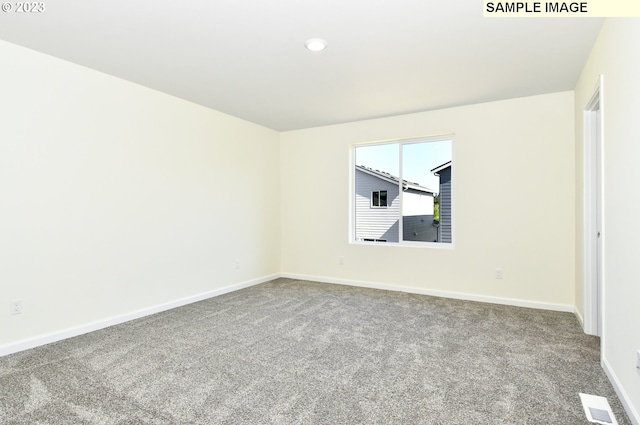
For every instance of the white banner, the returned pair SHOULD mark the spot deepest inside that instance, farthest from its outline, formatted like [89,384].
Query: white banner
[561,9]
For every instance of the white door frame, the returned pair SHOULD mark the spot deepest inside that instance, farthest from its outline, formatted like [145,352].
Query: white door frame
[593,235]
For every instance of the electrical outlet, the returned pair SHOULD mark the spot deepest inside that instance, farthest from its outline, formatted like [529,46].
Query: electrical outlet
[341,261]
[498,273]
[638,362]
[237,264]
[15,306]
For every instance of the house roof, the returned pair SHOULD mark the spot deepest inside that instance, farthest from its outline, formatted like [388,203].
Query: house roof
[406,185]
[441,167]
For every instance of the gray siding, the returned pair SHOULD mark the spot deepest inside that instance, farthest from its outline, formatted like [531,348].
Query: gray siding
[445,205]
[419,228]
[375,223]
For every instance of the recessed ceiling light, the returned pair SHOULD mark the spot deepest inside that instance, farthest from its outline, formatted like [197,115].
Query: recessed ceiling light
[315,44]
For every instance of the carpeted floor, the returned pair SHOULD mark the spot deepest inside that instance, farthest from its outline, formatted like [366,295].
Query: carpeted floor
[294,352]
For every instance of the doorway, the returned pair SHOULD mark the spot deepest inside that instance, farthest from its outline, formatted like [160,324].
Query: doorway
[593,235]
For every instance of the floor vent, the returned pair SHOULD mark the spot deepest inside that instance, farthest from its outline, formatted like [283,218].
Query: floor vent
[597,409]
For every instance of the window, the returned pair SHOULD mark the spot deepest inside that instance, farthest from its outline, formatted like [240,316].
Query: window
[403,192]
[379,198]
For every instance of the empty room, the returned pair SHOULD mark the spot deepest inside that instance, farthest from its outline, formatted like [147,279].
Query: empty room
[318,213]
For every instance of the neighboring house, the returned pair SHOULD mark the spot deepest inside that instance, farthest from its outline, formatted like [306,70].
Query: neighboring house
[377,208]
[444,172]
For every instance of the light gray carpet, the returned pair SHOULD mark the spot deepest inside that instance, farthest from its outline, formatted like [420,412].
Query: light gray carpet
[294,352]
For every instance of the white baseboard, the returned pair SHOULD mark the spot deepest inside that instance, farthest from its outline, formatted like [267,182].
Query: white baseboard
[632,413]
[444,294]
[26,344]
[579,317]
[40,340]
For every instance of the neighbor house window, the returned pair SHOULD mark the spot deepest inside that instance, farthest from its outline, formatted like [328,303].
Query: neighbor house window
[402,192]
[379,198]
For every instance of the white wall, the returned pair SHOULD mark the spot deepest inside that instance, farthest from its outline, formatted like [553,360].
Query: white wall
[615,56]
[417,203]
[115,198]
[513,202]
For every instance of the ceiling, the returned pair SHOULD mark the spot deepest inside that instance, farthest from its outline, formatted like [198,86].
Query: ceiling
[247,57]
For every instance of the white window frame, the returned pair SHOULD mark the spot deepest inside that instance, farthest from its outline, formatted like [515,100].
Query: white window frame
[400,143]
